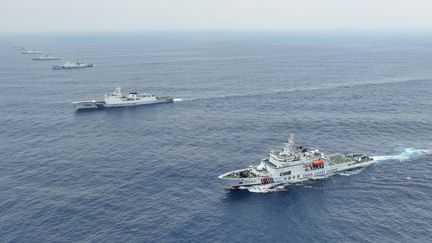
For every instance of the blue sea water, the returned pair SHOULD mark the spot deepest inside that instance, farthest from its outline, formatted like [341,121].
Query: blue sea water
[149,174]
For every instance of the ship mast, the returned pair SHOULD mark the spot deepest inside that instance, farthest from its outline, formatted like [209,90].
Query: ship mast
[288,148]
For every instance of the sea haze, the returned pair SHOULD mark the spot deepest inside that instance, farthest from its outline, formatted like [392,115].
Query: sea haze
[149,174]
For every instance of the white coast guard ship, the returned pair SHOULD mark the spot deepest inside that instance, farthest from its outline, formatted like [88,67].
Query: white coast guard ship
[46,58]
[295,164]
[72,65]
[25,51]
[116,99]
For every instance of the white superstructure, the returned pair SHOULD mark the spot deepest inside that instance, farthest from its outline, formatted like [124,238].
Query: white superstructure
[295,164]
[116,99]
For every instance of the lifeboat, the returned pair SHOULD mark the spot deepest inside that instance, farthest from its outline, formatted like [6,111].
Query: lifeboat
[317,163]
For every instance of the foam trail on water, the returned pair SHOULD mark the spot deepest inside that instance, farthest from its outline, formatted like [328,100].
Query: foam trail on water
[266,188]
[305,88]
[407,154]
[178,99]
[352,172]
[275,188]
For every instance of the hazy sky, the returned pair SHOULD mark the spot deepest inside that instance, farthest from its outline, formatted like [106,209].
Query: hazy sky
[107,15]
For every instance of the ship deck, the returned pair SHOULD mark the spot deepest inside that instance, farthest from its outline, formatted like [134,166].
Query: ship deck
[241,174]
[340,159]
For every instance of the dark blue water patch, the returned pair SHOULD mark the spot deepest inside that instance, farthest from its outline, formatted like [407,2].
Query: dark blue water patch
[150,173]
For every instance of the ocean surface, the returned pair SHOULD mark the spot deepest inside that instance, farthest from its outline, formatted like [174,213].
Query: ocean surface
[149,174]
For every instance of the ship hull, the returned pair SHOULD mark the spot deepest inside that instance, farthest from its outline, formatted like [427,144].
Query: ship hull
[84,105]
[138,103]
[71,67]
[296,178]
[45,58]
[32,52]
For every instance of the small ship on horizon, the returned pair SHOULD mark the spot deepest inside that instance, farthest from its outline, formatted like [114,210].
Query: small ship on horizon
[25,51]
[46,58]
[72,65]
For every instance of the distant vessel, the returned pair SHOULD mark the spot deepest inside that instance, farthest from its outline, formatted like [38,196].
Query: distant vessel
[72,65]
[116,99]
[46,58]
[295,164]
[32,52]
[19,48]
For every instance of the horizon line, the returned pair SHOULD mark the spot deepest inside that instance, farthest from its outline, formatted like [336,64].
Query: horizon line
[216,30]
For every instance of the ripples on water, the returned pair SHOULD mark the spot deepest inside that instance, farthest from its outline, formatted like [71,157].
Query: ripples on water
[150,173]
